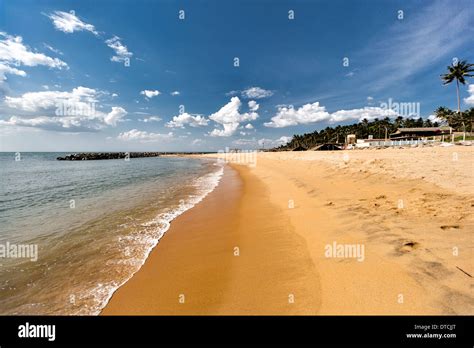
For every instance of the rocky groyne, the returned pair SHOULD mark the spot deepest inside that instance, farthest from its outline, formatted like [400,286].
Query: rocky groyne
[91,156]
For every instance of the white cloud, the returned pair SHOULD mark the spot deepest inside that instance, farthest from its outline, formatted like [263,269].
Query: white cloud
[174,93]
[256,93]
[253,106]
[69,23]
[13,54]
[312,113]
[434,118]
[187,119]
[248,126]
[64,124]
[44,100]
[115,115]
[232,93]
[264,142]
[470,100]
[252,143]
[76,110]
[52,49]
[143,136]
[289,116]
[150,93]
[367,112]
[5,69]
[230,118]
[150,119]
[274,142]
[446,38]
[114,95]
[121,51]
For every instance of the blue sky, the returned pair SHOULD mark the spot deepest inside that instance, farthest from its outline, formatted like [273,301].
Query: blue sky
[66,85]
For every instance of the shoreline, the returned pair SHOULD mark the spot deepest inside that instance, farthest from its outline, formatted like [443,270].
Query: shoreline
[197,258]
[408,266]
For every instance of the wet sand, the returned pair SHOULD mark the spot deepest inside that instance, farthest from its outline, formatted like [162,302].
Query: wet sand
[416,230]
[234,253]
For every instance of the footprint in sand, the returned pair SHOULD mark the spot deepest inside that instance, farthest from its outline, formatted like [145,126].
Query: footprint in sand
[450,227]
[409,246]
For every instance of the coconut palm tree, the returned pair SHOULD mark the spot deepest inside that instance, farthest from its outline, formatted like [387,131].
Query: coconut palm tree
[458,72]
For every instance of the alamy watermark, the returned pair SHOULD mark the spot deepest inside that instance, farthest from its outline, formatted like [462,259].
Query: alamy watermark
[346,251]
[246,157]
[67,108]
[405,109]
[19,251]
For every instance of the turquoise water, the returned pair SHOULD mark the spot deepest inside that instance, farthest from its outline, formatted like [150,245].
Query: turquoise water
[93,223]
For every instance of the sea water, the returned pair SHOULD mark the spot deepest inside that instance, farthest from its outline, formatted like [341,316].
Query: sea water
[93,224]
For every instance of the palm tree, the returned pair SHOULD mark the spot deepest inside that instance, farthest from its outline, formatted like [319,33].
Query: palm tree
[458,71]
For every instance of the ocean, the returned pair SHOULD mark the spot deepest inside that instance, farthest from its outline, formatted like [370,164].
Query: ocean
[93,224]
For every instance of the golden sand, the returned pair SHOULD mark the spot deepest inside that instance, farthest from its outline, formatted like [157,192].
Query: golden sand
[410,209]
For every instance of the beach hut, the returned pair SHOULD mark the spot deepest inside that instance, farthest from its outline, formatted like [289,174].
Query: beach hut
[419,133]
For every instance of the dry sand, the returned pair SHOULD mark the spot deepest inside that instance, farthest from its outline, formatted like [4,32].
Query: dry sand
[411,210]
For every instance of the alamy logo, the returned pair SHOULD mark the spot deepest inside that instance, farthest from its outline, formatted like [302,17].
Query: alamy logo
[19,251]
[67,108]
[404,109]
[246,157]
[335,250]
[37,331]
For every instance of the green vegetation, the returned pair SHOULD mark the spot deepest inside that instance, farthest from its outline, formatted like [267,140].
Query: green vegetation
[379,129]
[458,71]
[460,121]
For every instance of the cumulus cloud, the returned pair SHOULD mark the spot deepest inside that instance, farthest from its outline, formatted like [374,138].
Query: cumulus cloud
[115,115]
[184,119]
[68,22]
[256,93]
[66,111]
[150,93]
[71,124]
[143,136]
[248,126]
[174,93]
[312,113]
[14,53]
[253,106]
[230,118]
[470,100]
[44,100]
[367,112]
[121,51]
[289,116]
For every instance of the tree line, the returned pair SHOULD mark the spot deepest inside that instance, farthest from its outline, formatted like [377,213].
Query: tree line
[461,121]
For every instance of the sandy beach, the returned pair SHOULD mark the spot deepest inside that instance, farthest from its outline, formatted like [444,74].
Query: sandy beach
[258,243]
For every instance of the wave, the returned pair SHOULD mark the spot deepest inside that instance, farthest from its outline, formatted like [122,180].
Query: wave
[155,229]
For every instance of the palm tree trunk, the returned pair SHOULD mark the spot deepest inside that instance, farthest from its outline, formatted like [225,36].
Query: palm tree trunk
[459,100]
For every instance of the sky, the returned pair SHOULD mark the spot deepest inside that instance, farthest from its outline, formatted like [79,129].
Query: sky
[204,75]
